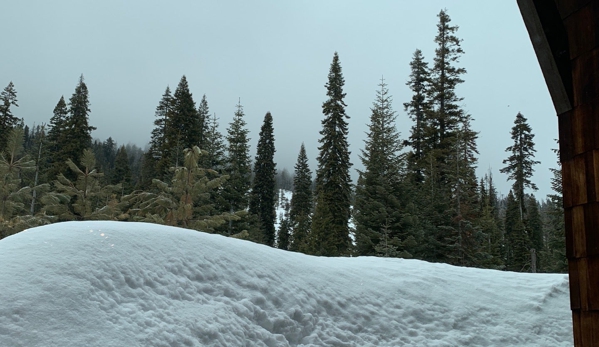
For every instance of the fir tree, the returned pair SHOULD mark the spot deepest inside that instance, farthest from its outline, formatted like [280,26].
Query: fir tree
[490,225]
[417,109]
[445,118]
[184,201]
[122,171]
[464,236]
[534,228]
[12,164]
[448,162]
[58,139]
[15,198]
[330,231]
[109,147]
[238,169]
[8,99]
[85,198]
[517,243]
[554,256]
[158,160]
[203,115]
[147,171]
[378,207]
[38,145]
[263,195]
[214,145]
[183,127]
[519,165]
[78,128]
[300,213]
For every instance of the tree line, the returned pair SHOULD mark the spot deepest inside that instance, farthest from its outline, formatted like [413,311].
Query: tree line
[417,197]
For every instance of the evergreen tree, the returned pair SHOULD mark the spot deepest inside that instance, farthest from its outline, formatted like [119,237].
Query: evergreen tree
[147,172]
[519,165]
[490,225]
[330,230]
[443,119]
[8,121]
[158,160]
[183,127]
[238,169]
[122,171]
[14,197]
[300,213]
[12,164]
[38,144]
[105,154]
[203,115]
[214,145]
[417,109]
[462,236]
[517,243]
[135,155]
[378,207]
[77,127]
[86,198]
[446,115]
[554,256]
[448,159]
[263,195]
[109,149]
[185,201]
[58,139]
[534,228]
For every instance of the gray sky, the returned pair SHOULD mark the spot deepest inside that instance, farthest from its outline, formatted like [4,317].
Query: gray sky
[275,56]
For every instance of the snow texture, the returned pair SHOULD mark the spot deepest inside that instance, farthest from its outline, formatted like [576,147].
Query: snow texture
[135,284]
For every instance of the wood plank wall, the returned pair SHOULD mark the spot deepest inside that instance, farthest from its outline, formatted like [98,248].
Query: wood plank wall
[579,146]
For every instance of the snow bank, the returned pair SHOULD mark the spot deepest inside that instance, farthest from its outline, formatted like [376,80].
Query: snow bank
[134,284]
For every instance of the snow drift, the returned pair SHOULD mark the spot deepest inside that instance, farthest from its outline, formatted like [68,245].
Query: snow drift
[134,284]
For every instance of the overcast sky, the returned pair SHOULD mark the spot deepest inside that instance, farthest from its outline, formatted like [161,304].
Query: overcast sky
[274,56]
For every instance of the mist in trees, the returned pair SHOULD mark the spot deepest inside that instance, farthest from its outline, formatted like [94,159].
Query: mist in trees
[417,193]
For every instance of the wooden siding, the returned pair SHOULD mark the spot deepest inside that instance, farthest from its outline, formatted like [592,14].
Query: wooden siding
[575,73]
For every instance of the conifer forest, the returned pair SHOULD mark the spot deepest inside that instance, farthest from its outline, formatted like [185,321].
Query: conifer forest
[417,194]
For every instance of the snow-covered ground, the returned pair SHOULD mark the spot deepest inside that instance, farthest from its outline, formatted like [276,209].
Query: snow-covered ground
[134,284]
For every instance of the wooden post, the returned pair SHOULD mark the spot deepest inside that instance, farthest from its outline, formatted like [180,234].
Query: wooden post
[565,35]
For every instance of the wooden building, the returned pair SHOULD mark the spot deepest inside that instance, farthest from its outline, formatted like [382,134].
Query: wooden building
[565,36]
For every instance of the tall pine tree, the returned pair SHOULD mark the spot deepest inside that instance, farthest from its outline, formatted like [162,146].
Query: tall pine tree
[214,145]
[8,99]
[446,115]
[330,230]
[378,205]
[263,195]
[417,109]
[78,129]
[203,115]
[57,140]
[300,212]
[238,169]
[158,159]
[519,165]
[183,128]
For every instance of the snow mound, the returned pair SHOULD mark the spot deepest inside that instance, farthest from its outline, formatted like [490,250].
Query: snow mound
[135,284]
